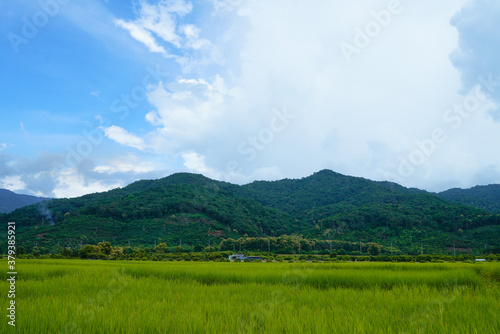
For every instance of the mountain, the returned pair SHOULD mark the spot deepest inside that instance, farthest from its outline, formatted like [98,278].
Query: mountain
[191,209]
[183,207]
[352,208]
[9,201]
[483,197]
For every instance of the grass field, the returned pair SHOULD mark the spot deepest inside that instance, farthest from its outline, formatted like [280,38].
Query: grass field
[79,296]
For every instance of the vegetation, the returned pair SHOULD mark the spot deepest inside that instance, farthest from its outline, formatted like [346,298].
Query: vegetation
[162,252]
[318,213]
[182,297]
[483,197]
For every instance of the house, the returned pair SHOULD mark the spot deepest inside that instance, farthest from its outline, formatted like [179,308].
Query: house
[243,257]
[237,257]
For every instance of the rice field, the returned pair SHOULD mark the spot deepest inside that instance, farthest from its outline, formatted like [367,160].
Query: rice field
[82,296]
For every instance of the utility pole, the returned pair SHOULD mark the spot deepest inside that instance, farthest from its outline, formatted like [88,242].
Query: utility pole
[391,248]
[454,254]
[359,246]
[422,249]
[330,237]
[268,245]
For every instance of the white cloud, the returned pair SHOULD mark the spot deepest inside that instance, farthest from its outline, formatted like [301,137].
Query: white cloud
[3,146]
[157,24]
[478,50]
[161,18]
[128,163]
[357,118]
[71,183]
[142,35]
[123,137]
[196,163]
[49,176]
[186,112]
[12,183]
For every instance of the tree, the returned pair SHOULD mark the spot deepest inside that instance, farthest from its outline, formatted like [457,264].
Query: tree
[116,252]
[374,249]
[105,247]
[36,251]
[87,249]
[21,250]
[162,248]
[66,252]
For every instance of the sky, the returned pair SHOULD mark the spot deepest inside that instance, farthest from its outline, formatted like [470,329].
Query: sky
[97,94]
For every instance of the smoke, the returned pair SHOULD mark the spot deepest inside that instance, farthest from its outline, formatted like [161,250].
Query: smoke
[45,212]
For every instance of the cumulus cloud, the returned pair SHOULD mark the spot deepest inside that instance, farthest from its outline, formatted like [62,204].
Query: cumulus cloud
[123,137]
[48,176]
[479,46]
[188,110]
[158,24]
[70,184]
[358,118]
[478,50]
[286,103]
[196,163]
[13,183]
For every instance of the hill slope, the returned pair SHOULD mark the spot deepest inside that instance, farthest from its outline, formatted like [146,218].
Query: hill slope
[9,201]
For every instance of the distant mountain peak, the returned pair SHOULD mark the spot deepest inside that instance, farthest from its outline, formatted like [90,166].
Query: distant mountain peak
[9,200]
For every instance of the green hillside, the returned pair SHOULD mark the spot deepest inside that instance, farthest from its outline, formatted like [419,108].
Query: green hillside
[182,206]
[191,209]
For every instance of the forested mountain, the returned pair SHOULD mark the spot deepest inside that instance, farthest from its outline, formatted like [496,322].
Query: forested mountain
[191,209]
[351,208]
[484,197]
[9,201]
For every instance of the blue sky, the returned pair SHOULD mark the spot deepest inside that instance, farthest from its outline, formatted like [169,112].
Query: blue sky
[97,94]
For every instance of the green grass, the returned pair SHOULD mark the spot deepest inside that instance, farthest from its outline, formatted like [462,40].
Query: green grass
[77,296]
